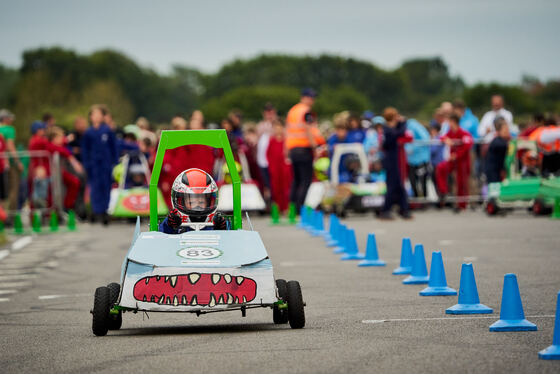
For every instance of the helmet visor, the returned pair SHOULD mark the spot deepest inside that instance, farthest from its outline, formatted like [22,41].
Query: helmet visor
[196,204]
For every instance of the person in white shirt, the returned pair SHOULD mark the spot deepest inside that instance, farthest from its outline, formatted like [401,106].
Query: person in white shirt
[264,130]
[486,128]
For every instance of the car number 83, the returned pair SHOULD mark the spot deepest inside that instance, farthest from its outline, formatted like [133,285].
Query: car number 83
[199,253]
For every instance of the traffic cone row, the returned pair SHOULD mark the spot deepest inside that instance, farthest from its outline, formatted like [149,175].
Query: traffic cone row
[275,214]
[413,264]
[36,226]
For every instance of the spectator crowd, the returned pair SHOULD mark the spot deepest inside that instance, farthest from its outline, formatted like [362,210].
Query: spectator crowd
[456,155]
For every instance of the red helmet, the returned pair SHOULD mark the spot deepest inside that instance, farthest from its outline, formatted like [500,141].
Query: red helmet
[195,194]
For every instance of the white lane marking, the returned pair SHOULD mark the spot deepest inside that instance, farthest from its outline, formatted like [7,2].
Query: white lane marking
[4,253]
[17,277]
[7,292]
[22,242]
[374,321]
[51,264]
[4,299]
[51,297]
[14,284]
[445,242]
[18,271]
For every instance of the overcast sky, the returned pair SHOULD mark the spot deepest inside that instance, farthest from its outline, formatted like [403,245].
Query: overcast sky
[479,40]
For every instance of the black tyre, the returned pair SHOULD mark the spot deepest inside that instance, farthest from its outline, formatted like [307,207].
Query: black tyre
[540,208]
[101,307]
[492,207]
[115,320]
[280,316]
[296,314]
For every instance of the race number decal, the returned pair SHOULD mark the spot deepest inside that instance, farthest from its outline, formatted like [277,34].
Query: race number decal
[199,253]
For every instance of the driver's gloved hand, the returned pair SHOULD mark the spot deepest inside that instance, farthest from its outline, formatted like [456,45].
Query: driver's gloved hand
[174,219]
[219,222]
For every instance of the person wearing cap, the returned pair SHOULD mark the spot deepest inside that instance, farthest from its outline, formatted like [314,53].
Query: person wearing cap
[16,167]
[302,136]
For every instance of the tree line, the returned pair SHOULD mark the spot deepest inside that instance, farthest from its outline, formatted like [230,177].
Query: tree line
[65,83]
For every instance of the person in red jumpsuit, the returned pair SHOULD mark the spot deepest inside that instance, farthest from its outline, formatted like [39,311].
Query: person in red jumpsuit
[54,143]
[280,170]
[460,142]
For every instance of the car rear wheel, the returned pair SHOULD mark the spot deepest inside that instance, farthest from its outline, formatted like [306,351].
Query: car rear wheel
[115,320]
[280,316]
[491,207]
[296,314]
[101,307]
[539,208]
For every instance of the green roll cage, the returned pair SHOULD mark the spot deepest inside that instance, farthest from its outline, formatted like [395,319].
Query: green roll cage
[171,139]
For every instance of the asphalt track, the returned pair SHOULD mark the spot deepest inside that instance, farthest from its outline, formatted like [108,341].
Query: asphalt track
[358,319]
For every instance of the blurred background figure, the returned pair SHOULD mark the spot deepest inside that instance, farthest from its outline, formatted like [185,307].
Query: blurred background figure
[497,150]
[302,137]
[14,166]
[235,117]
[394,129]
[418,157]
[49,120]
[280,170]
[99,155]
[264,132]
[486,129]
[196,121]
[356,133]
[549,150]
[459,142]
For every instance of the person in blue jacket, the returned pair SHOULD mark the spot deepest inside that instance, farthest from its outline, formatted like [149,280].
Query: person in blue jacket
[395,128]
[356,133]
[418,157]
[340,136]
[99,155]
[194,197]
[468,120]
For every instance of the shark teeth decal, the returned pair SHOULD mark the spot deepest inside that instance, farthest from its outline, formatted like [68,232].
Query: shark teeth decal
[195,289]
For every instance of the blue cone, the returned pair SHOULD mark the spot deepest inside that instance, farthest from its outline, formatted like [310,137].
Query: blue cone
[329,234]
[437,285]
[405,266]
[303,217]
[372,257]
[553,351]
[343,240]
[334,226]
[319,224]
[512,317]
[312,220]
[419,272]
[352,251]
[469,303]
